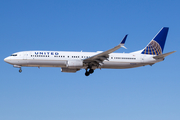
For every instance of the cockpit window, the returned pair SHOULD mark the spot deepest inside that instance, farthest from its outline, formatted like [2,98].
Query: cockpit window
[14,55]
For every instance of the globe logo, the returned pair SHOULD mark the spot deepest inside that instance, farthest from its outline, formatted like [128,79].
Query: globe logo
[153,48]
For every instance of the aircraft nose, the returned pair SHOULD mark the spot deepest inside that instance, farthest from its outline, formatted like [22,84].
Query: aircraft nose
[7,59]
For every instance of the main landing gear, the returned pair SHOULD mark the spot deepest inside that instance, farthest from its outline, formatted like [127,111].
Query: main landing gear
[87,73]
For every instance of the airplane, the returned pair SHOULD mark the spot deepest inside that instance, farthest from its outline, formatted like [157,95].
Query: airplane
[72,62]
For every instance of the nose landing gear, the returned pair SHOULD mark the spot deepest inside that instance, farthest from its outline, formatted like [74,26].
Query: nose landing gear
[20,70]
[17,66]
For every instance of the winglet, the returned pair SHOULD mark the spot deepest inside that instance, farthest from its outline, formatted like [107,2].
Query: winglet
[124,40]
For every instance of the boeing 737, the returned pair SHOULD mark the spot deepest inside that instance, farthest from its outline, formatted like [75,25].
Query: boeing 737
[74,61]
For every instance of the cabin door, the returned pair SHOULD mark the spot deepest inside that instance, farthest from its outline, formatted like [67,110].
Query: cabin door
[25,56]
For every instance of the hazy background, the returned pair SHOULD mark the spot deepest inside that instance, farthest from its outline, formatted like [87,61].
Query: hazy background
[145,93]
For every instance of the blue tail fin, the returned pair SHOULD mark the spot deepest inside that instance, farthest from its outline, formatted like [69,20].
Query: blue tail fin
[156,46]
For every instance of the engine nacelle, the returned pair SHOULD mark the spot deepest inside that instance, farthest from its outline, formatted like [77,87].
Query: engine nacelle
[69,70]
[74,64]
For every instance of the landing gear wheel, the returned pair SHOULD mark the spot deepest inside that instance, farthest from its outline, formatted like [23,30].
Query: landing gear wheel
[87,73]
[91,71]
[20,70]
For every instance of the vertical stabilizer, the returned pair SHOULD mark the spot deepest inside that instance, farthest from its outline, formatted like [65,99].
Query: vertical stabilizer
[156,46]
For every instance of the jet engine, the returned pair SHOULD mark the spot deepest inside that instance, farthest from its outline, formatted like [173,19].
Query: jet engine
[69,70]
[74,64]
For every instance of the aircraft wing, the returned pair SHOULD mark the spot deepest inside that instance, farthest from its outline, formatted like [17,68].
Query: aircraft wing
[99,58]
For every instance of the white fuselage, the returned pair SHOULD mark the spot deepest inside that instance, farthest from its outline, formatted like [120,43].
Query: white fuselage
[75,61]
[61,59]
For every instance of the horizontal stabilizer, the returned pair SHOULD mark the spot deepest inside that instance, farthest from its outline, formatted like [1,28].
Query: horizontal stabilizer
[163,55]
